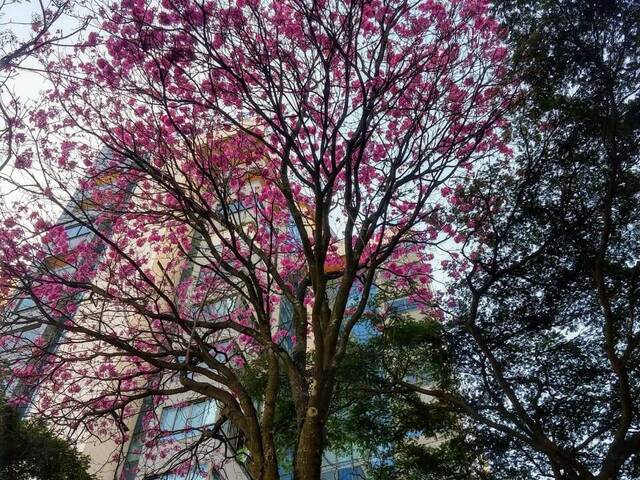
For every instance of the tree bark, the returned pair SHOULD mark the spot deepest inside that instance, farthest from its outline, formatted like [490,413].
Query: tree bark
[308,461]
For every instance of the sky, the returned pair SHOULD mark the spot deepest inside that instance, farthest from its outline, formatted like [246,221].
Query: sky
[27,84]
[16,18]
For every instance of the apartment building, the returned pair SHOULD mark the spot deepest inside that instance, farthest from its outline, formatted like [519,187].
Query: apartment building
[21,312]
[160,430]
[176,423]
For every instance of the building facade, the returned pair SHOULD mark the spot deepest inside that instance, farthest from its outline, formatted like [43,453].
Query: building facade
[163,438]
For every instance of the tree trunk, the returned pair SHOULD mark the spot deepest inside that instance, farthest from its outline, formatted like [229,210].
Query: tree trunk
[270,464]
[308,459]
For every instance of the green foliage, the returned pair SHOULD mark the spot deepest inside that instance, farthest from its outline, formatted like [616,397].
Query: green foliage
[389,425]
[386,426]
[547,337]
[29,451]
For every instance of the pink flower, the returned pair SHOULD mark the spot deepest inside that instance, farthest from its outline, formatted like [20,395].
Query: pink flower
[238,361]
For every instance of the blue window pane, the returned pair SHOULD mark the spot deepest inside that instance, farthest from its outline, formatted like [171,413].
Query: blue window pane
[355,294]
[187,417]
[211,413]
[197,414]
[363,331]
[219,308]
[285,322]
[403,304]
[351,473]
[167,419]
[293,232]
[224,306]
[237,206]
[76,230]
[232,208]
[182,418]
[354,297]
[25,304]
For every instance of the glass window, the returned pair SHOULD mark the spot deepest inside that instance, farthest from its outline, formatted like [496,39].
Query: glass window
[237,206]
[350,473]
[219,308]
[181,418]
[135,447]
[198,413]
[224,306]
[363,330]
[76,230]
[232,207]
[197,473]
[130,467]
[292,229]
[181,421]
[25,304]
[286,322]
[130,470]
[403,304]
[355,294]
[168,419]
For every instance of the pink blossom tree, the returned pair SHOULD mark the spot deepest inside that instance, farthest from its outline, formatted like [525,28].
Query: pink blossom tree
[16,50]
[252,153]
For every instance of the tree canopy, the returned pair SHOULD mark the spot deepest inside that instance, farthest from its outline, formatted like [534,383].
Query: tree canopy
[250,188]
[30,451]
[544,325]
[229,157]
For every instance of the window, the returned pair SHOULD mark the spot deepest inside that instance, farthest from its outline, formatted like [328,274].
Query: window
[351,473]
[342,466]
[133,455]
[363,330]
[355,294]
[232,207]
[183,420]
[220,307]
[26,324]
[136,445]
[216,309]
[292,229]
[76,230]
[403,304]
[25,304]
[285,322]
[197,473]
[237,206]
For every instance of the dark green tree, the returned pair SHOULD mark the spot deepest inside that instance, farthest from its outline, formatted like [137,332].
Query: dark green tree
[395,432]
[544,320]
[30,451]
